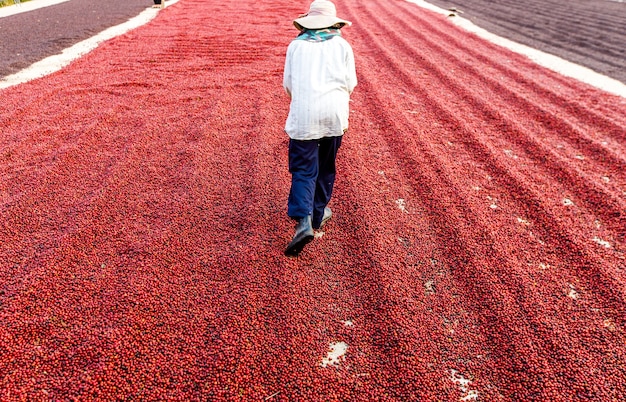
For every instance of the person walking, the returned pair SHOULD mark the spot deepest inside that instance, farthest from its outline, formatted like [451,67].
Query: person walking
[319,76]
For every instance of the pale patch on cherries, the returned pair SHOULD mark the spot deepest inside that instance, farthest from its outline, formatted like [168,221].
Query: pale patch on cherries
[463,384]
[510,153]
[609,324]
[335,354]
[572,293]
[543,266]
[601,242]
[429,287]
[401,204]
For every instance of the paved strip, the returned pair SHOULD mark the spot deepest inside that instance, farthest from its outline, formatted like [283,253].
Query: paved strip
[554,63]
[31,36]
[586,32]
[56,62]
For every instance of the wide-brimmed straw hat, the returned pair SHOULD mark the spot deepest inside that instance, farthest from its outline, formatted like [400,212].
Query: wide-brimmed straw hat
[322,14]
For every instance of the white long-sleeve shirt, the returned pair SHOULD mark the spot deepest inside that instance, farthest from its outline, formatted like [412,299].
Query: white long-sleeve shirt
[319,77]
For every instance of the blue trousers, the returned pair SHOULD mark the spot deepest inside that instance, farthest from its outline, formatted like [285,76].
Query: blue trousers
[312,168]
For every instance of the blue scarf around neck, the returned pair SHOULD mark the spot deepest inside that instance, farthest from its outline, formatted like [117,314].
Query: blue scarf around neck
[319,35]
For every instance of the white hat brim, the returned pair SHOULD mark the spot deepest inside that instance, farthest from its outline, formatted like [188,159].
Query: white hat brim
[319,22]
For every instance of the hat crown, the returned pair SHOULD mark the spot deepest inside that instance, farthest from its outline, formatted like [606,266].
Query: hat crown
[322,14]
[322,7]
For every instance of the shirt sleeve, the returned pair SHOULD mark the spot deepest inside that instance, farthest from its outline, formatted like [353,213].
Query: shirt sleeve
[287,71]
[351,79]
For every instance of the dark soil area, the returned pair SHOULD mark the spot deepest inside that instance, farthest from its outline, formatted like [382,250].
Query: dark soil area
[587,32]
[31,36]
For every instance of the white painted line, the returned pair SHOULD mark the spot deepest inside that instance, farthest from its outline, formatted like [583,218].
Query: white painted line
[54,63]
[549,61]
[28,6]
